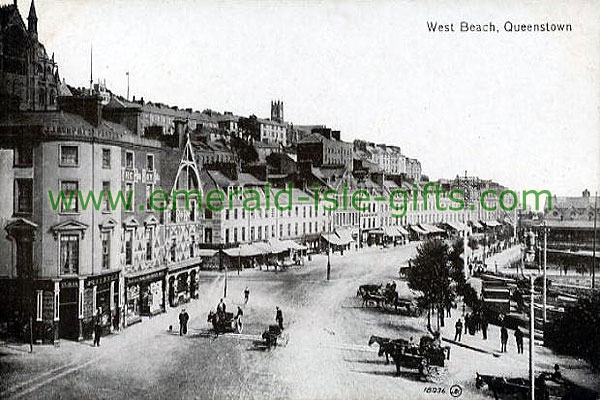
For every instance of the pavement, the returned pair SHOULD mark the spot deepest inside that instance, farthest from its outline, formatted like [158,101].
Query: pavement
[327,355]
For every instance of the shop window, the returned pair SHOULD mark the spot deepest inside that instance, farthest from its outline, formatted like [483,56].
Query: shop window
[129,161]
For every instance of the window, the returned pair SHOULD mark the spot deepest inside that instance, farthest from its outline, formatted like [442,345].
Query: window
[243,234]
[235,212]
[150,162]
[192,246]
[226,235]
[235,235]
[149,190]
[69,156]
[24,155]
[105,250]
[173,250]
[129,198]
[252,234]
[105,194]
[69,254]
[24,196]
[128,247]
[106,158]
[149,242]
[70,201]
[227,213]
[129,159]
[260,231]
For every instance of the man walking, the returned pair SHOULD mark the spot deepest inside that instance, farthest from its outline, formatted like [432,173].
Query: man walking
[503,339]
[98,327]
[279,318]
[183,317]
[246,295]
[519,339]
[467,322]
[459,327]
[484,326]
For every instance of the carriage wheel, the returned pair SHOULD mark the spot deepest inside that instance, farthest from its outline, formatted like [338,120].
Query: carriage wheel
[239,326]
[424,367]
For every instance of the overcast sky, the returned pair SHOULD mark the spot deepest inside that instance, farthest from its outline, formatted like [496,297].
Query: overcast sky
[520,108]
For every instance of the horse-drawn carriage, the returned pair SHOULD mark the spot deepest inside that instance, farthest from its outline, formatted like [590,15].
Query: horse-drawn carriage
[225,322]
[274,337]
[426,357]
[386,297]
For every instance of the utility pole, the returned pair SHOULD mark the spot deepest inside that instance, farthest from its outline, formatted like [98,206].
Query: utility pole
[531,337]
[545,279]
[594,241]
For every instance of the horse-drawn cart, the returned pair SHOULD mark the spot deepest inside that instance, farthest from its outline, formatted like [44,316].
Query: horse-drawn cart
[274,337]
[425,357]
[225,322]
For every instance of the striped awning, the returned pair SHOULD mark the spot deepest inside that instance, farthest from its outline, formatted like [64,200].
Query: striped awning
[418,230]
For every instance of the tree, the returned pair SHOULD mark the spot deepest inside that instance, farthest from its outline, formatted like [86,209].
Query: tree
[581,325]
[433,274]
[249,127]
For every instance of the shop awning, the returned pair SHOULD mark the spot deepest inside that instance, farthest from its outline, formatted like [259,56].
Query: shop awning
[391,231]
[345,235]
[293,245]
[418,230]
[491,223]
[432,228]
[278,246]
[245,250]
[402,231]
[334,239]
[206,252]
[457,226]
[376,232]
[476,225]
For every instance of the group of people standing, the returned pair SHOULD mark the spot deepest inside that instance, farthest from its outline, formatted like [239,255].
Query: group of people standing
[473,323]
[477,321]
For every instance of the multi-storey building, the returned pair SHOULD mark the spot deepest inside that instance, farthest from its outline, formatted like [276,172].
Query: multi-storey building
[325,148]
[91,257]
[29,78]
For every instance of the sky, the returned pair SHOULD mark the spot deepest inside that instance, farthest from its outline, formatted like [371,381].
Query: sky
[519,108]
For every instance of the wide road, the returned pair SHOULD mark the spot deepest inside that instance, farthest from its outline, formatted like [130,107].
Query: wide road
[327,356]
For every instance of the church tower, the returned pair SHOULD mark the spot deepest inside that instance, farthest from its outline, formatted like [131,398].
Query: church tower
[277,111]
[32,19]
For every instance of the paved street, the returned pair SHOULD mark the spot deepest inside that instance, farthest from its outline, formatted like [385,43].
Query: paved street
[327,355]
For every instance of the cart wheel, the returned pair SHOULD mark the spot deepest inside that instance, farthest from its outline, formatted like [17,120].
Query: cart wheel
[424,367]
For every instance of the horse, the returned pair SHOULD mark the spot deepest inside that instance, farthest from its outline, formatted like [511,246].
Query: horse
[368,297]
[386,345]
[368,288]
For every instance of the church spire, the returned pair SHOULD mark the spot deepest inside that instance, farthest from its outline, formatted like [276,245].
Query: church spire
[32,19]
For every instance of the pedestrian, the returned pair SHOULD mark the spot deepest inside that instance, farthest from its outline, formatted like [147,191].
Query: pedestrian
[459,328]
[246,295]
[279,318]
[221,308]
[181,322]
[98,327]
[467,322]
[484,327]
[503,339]
[519,339]
[186,318]
[448,310]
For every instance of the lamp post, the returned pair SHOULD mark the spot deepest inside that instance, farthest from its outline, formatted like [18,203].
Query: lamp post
[594,241]
[329,249]
[531,338]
